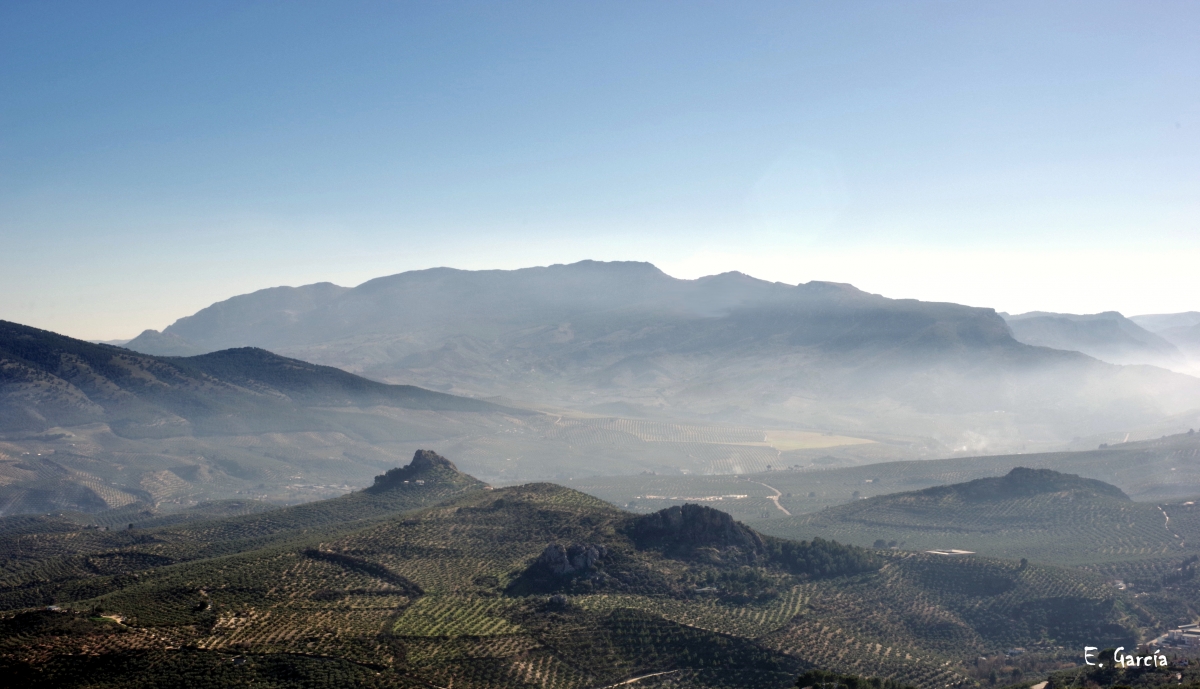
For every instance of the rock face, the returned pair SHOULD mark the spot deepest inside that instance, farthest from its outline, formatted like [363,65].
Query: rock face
[575,559]
[573,568]
[426,460]
[679,531]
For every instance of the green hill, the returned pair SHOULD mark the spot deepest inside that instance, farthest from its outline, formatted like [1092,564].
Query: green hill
[534,585]
[1039,514]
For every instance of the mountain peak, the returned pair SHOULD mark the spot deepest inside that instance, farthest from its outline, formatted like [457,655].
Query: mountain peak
[428,460]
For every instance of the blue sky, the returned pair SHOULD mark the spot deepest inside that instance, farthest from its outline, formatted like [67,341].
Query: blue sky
[158,157]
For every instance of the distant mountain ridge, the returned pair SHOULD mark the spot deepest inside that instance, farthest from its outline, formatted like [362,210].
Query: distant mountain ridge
[1181,329]
[1108,336]
[1159,322]
[625,337]
[446,302]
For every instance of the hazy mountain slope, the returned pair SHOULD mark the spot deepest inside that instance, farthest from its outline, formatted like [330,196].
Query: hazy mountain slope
[1040,514]
[129,428]
[265,311]
[1186,337]
[607,336]
[1158,322]
[50,380]
[442,594]
[1180,329]
[1107,336]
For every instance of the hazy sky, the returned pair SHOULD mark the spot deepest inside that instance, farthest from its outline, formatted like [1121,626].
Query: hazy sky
[157,157]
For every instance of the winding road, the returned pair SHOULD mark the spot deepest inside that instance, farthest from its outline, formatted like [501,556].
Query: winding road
[1167,524]
[773,498]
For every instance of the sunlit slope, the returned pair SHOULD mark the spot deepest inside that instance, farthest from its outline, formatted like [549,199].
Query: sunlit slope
[472,591]
[1037,514]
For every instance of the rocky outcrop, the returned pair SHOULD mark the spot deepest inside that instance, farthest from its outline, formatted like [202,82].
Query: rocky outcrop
[426,466]
[574,568]
[575,559]
[681,531]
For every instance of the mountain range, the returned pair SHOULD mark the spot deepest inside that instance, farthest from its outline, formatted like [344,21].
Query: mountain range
[626,339]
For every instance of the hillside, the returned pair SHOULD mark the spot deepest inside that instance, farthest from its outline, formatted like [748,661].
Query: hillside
[88,427]
[50,380]
[1186,337]
[1107,336]
[626,339]
[1180,329]
[540,585]
[1163,471]
[46,556]
[1039,514]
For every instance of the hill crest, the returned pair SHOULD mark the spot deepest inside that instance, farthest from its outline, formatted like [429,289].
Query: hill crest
[1021,482]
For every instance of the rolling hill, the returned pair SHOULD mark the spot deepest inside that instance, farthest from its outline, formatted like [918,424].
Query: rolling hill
[1038,514]
[625,339]
[533,585]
